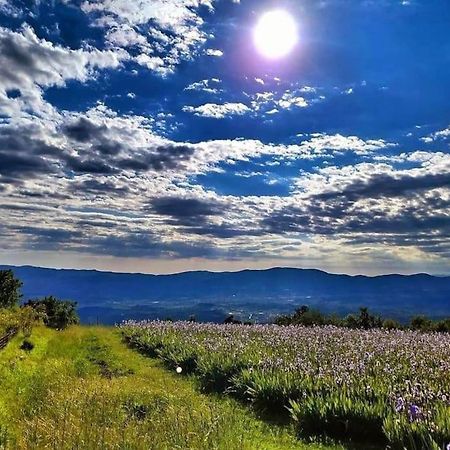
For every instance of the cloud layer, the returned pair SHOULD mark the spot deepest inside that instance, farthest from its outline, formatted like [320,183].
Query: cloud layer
[144,133]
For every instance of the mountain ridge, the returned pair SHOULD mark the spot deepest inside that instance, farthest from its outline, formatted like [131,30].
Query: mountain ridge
[113,296]
[269,269]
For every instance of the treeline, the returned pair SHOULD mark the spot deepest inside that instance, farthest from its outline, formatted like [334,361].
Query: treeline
[308,317]
[51,311]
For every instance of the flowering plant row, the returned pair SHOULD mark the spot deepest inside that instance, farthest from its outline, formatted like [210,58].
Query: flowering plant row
[390,387]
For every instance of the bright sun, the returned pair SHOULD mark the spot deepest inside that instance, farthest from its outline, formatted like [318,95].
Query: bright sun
[275,34]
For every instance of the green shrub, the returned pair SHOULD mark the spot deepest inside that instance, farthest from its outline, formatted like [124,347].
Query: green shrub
[57,314]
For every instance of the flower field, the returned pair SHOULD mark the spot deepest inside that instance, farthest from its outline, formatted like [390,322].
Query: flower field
[379,387]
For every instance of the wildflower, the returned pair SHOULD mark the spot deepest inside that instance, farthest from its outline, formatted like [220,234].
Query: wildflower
[413,412]
[399,404]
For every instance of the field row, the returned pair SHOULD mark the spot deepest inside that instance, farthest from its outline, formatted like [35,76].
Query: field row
[382,387]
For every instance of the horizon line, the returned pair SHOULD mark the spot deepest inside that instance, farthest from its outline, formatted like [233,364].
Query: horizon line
[225,271]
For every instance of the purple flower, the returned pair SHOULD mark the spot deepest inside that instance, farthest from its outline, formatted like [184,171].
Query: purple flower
[413,412]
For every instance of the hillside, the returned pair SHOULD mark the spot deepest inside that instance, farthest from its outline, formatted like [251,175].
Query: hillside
[110,297]
[117,400]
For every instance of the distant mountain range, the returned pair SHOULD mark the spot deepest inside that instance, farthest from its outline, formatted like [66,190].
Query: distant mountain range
[109,297]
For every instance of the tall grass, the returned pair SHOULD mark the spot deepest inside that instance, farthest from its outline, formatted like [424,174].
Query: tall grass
[83,389]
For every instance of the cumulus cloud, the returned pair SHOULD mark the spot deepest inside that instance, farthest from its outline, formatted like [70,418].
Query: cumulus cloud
[177,35]
[338,143]
[218,111]
[214,52]
[438,135]
[104,179]
[29,64]
[371,204]
[271,102]
[27,60]
[209,85]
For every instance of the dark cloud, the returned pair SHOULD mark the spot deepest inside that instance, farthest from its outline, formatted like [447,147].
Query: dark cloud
[21,165]
[194,216]
[40,238]
[23,155]
[19,57]
[115,243]
[386,185]
[142,245]
[368,225]
[164,157]
[94,186]
[181,208]
[222,231]
[89,166]
[84,130]
[24,208]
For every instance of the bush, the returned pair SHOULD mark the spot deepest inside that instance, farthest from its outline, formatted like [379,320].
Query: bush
[56,313]
[9,320]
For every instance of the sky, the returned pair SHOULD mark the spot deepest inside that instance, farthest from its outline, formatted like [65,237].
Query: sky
[157,136]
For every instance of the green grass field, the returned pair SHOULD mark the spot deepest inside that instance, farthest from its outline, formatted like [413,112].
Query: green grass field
[84,389]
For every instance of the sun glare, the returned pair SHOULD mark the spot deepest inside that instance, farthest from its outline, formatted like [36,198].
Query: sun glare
[275,34]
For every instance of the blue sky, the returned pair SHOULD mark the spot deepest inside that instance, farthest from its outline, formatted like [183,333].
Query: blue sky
[153,136]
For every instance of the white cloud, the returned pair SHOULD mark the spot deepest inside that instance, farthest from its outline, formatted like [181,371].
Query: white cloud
[218,111]
[205,86]
[154,63]
[320,142]
[177,35]
[27,60]
[267,102]
[30,64]
[442,134]
[287,101]
[214,52]
[141,162]
[126,36]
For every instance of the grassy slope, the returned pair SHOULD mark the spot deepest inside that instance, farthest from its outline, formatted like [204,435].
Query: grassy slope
[82,388]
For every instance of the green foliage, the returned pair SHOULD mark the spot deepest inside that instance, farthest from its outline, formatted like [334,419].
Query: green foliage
[306,317]
[9,320]
[390,324]
[57,314]
[422,323]
[363,320]
[9,289]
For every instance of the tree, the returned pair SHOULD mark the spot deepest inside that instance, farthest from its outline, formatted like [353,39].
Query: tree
[9,289]
[56,313]
[231,320]
[420,323]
